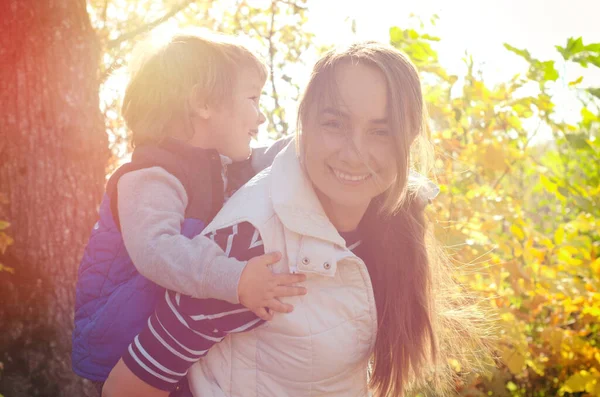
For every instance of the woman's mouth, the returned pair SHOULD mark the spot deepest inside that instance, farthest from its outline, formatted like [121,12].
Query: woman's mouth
[348,178]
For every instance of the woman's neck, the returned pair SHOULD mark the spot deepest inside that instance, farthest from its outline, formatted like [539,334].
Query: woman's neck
[344,218]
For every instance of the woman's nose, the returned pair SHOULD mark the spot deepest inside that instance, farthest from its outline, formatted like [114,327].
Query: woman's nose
[353,151]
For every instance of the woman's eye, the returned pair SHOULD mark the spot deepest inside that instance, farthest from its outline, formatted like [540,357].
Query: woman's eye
[381,132]
[332,124]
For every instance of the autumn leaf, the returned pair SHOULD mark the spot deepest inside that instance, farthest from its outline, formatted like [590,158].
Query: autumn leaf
[5,242]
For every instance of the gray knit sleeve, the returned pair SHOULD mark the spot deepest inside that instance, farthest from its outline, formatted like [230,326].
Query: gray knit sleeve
[151,205]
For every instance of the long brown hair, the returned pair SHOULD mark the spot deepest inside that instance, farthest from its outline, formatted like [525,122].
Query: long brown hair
[416,297]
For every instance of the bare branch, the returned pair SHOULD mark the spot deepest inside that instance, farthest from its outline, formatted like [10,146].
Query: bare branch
[149,26]
[272,62]
[104,9]
[293,4]
[508,167]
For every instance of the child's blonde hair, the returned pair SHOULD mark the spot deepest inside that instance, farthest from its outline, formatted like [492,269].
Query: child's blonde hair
[203,64]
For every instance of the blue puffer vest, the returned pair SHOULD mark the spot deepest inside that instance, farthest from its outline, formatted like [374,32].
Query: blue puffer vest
[113,301]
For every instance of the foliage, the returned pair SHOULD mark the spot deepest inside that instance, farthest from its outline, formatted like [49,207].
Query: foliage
[520,214]
[519,209]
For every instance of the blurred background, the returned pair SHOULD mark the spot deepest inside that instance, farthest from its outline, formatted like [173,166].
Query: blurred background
[513,90]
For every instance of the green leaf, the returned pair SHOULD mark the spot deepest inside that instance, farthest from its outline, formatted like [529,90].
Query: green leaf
[396,34]
[594,47]
[511,386]
[578,141]
[522,53]
[563,191]
[573,47]
[588,117]
[550,72]
[585,204]
[594,91]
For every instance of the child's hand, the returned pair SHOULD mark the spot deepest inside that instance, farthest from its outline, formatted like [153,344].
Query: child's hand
[259,287]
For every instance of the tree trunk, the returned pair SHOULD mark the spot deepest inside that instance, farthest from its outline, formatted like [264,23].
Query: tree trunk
[53,153]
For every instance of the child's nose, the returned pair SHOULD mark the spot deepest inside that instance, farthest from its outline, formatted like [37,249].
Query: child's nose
[261,117]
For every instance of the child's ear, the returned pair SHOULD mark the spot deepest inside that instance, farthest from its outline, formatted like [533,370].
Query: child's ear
[202,111]
[198,105]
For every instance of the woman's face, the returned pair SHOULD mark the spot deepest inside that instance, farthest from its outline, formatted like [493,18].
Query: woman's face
[348,144]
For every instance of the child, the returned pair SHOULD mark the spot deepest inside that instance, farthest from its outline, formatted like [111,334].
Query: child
[191,106]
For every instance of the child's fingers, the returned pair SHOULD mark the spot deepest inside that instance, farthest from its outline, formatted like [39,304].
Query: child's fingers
[289,291]
[264,314]
[270,258]
[276,305]
[284,279]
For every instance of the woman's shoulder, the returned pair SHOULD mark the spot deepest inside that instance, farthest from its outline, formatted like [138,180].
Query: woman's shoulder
[251,203]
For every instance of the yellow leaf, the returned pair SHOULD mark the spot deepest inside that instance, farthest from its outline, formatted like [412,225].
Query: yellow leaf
[514,360]
[595,266]
[492,157]
[537,367]
[559,235]
[455,365]
[579,382]
[5,242]
[565,256]
[6,269]
[447,134]
[517,232]
[548,184]
[575,82]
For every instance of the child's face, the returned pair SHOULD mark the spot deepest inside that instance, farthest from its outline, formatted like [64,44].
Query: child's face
[236,121]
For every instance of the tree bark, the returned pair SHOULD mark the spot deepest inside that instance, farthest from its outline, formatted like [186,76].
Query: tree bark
[53,154]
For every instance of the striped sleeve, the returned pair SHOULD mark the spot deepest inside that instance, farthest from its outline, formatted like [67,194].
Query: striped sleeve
[183,329]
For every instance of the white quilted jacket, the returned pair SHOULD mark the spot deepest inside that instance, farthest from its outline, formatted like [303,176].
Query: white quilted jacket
[322,348]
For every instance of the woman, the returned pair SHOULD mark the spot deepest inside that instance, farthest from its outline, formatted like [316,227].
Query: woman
[339,206]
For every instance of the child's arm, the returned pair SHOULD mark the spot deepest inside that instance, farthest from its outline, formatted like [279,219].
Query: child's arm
[183,329]
[151,205]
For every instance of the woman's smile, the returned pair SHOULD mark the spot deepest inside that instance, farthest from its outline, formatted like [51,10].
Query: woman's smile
[347,178]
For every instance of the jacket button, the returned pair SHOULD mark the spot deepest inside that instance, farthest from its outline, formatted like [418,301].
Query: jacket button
[305,261]
[326,265]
